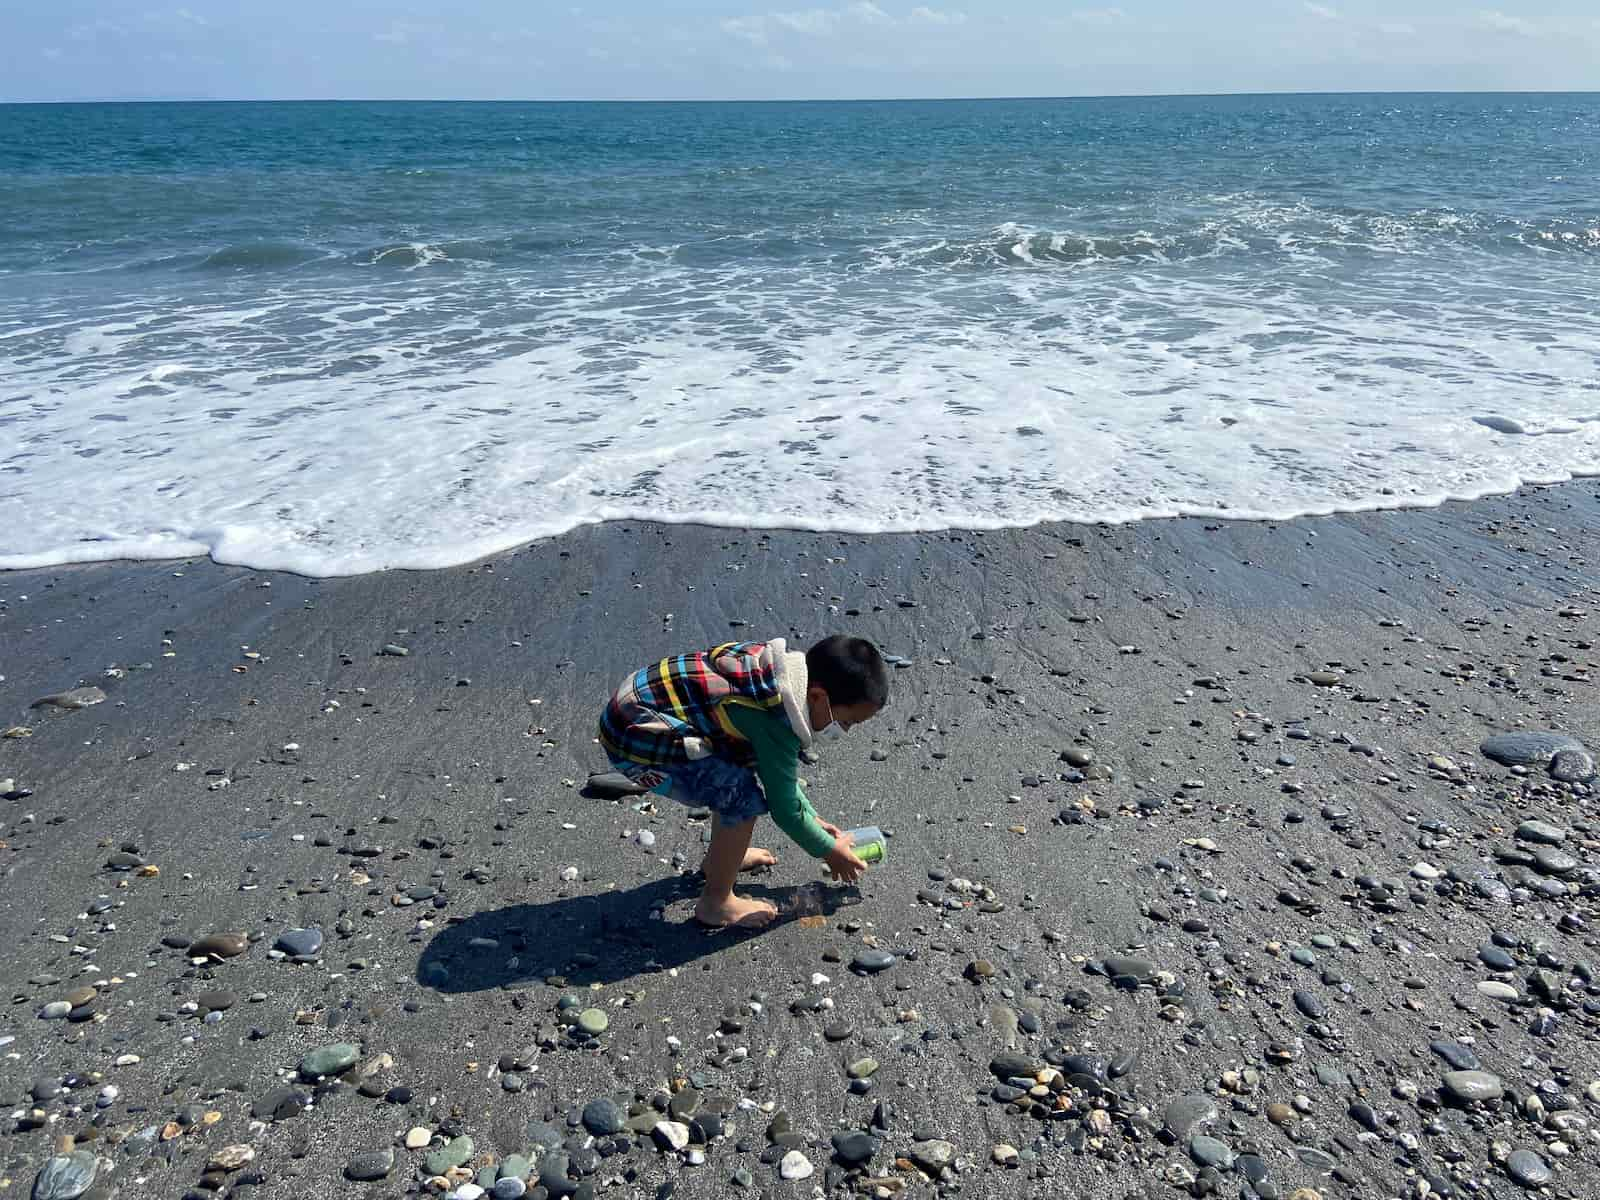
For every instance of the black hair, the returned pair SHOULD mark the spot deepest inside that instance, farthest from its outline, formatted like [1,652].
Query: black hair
[849,669]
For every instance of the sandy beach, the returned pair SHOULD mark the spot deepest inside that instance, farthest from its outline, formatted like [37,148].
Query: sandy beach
[1198,878]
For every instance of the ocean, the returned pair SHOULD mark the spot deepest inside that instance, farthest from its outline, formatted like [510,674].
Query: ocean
[339,337]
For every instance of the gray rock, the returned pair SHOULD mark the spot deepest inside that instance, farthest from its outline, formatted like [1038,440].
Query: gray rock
[1186,1114]
[1572,766]
[1140,969]
[330,1060]
[370,1165]
[1547,860]
[509,1188]
[933,1155]
[1311,1006]
[1541,833]
[553,1174]
[872,960]
[74,698]
[854,1149]
[1459,1057]
[603,1118]
[301,943]
[453,1153]
[1209,1152]
[795,1166]
[1527,749]
[65,1176]
[612,785]
[1008,1064]
[1471,1086]
[280,1104]
[1527,1169]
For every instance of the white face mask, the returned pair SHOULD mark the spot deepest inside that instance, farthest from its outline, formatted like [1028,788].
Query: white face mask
[832,731]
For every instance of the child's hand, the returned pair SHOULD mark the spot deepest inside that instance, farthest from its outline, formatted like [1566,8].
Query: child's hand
[843,865]
[831,830]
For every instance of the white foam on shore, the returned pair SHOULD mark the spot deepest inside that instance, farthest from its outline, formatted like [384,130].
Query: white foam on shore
[335,432]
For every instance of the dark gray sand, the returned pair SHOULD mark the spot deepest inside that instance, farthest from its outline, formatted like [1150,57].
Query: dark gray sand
[1198,879]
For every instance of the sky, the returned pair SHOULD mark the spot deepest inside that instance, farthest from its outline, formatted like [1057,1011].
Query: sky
[727,49]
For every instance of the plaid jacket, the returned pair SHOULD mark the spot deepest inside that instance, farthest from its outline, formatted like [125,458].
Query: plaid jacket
[671,712]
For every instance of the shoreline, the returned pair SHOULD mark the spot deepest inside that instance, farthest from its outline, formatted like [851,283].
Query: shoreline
[327,784]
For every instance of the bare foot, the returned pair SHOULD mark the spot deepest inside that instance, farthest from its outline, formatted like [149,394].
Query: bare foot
[735,910]
[755,858]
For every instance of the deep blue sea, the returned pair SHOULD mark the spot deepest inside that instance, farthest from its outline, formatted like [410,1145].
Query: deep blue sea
[340,337]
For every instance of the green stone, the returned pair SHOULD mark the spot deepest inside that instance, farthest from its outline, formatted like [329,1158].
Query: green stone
[515,1166]
[330,1060]
[452,1154]
[862,1068]
[593,1021]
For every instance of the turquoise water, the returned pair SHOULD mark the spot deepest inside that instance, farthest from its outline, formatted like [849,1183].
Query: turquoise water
[335,337]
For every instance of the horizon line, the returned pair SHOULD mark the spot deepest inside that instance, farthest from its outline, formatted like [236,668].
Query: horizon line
[799,99]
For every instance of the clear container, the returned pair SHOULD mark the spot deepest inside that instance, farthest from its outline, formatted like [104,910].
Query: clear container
[870,845]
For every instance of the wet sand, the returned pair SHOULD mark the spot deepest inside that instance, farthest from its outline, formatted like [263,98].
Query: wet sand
[1219,748]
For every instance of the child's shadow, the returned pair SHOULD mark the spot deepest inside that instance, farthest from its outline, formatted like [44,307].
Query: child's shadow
[600,938]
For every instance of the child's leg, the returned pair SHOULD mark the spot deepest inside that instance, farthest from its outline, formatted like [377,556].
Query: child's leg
[718,905]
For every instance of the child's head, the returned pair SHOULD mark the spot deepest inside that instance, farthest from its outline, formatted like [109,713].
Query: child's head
[847,682]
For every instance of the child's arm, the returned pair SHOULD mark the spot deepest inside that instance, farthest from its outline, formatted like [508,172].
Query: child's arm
[776,749]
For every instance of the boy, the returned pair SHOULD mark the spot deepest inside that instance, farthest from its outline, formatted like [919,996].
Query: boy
[704,728]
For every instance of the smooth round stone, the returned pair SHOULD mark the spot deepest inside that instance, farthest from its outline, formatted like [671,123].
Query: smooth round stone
[862,1068]
[604,1118]
[1141,969]
[452,1154]
[218,945]
[553,1174]
[593,1021]
[1527,749]
[1572,766]
[55,1010]
[1008,1064]
[1459,1057]
[1077,756]
[1209,1152]
[370,1165]
[1495,958]
[217,1001]
[1311,1007]
[300,943]
[854,1149]
[509,1188]
[795,1166]
[1187,1113]
[1495,990]
[872,960]
[1527,1169]
[1541,833]
[330,1060]
[65,1176]
[1547,860]
[933,1155]
[1472,1086]
[280,1104]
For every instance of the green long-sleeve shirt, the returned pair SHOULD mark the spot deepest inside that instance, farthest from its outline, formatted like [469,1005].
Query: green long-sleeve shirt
[777,750]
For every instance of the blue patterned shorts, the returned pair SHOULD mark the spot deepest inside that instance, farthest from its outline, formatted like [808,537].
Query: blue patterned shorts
[730,791]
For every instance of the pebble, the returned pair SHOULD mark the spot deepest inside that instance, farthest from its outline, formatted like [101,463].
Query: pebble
[1527,749]
[300,943]
[1186,1114]
[65,1176]
[1141,970]
[1527,1169]
[603,1117]
[231,1158]
[509,1187]
[1472,1086]
[417,1137]
[854,1149]
[932,1155]
[370,1165]
[329,1060]
[872,960]
[1209,1152]
[280,1104]
[795,1166]
[73,698]
[670,1135]
[1004,1155]
[593,1021]
[218,945]
[1572,766]
[453,1153]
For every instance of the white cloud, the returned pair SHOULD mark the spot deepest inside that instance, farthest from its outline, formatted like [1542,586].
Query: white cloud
[1097,16]
[934,16]
[1505,23]
[814,21]
[1322,12]
[750,29]
[869,13]
[1397,29]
